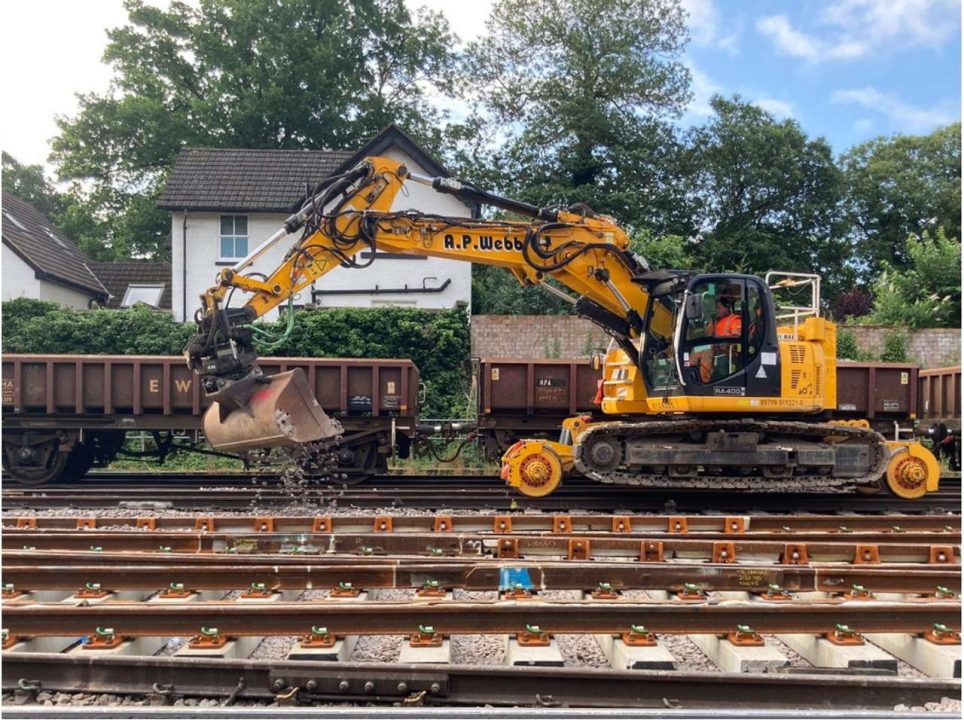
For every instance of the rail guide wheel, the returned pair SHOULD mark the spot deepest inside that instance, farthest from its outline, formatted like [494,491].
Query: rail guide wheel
[912,471]
[533,468]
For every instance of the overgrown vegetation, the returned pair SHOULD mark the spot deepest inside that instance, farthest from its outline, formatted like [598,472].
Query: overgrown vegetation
[437,342]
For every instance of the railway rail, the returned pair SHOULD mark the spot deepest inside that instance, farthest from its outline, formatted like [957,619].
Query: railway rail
[96,586]
[242,491]
[294,683]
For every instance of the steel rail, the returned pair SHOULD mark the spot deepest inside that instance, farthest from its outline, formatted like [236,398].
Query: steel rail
[942,549]
[671,693]
[631,523]
[460,496]
[448,617]
[469,574]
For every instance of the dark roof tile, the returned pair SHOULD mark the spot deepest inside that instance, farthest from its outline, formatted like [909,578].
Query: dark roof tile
[268,180]
[51,254]
[116,276]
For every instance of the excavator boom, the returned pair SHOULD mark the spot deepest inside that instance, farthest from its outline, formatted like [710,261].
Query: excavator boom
[353,212]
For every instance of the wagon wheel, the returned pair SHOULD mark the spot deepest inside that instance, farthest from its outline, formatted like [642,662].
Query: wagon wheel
[34,464]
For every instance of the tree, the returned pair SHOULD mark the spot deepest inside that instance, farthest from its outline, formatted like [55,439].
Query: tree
[584,88]
[768,195]
[497,292]
[927,293]
[316,74]
[897,188]
[29,183]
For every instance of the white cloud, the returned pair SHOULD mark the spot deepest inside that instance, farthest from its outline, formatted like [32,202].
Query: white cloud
[902,116]
[778,108]
[707,27]
[855,28]
[919,21]
[788,40]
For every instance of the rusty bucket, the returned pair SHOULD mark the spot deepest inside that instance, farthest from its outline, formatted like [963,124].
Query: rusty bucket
[266,412]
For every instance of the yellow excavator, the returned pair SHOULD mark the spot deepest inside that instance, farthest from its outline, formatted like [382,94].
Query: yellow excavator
[707,383]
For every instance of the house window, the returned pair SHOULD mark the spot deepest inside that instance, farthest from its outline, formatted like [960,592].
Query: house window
[234,236]
[147,294]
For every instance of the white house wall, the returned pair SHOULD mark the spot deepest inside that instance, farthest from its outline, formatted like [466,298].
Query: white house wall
[19,279]
[64,295]
[203,238]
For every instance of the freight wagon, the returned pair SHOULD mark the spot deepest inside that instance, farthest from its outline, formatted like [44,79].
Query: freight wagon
[64,414]
[530,398]
[940,397]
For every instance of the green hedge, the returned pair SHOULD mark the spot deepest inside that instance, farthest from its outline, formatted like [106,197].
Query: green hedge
[437,342]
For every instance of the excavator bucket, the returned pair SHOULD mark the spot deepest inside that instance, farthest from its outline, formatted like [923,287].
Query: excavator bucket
[265,412]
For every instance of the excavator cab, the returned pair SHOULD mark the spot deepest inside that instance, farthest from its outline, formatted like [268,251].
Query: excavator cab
[711,335]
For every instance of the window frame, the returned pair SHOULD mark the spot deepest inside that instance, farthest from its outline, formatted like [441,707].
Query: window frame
[142,286]
[234,237]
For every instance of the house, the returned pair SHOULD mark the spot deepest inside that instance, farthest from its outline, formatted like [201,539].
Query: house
[135,282]
[40,262]
[225,202]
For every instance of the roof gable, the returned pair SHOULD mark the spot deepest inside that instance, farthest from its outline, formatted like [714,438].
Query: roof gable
[52,255]
[239,180]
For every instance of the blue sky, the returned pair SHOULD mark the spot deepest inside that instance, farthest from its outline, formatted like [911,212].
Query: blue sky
[848,70]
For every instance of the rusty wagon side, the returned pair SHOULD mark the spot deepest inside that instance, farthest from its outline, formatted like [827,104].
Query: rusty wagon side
[63,414]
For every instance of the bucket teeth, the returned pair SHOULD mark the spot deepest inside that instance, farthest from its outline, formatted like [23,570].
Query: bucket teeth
[266,412]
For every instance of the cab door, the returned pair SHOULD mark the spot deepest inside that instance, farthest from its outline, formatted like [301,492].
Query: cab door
[727,338]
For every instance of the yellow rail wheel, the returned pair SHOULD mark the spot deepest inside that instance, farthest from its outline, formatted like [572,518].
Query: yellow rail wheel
[912,471]
[532,468]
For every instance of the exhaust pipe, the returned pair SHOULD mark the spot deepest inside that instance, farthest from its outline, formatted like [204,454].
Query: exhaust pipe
[266,412]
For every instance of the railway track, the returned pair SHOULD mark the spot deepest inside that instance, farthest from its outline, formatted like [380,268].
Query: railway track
[241,492]
[142,602]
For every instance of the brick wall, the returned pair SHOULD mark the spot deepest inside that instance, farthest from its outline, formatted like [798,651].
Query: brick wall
[929,348]
[535,336]
[566,336]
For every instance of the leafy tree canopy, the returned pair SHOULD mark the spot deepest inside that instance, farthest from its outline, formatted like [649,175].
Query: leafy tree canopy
[927,293]
[583,89]
[767,194]
[317,74]
[898,187]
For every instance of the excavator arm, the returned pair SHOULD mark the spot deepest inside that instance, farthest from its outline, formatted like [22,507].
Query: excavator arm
[351,213]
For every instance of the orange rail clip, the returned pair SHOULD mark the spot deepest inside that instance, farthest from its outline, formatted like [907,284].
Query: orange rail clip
[735,525]
[651,551]
[502,524]
[264,524]
[622,524]
[677,525]
[562,523]
[866,555]
[383,523]
[795,554]
[322,525]
[724,552]
[940,554]
[509,548]
[579,549]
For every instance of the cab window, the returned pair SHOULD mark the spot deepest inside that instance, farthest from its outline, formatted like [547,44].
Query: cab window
[715,335]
